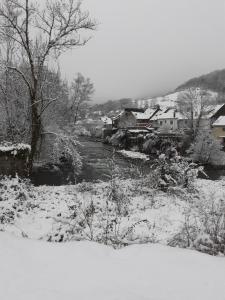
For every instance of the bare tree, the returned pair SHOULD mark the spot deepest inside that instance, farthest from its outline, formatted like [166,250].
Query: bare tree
[193,104]
[40,33]
[82,89]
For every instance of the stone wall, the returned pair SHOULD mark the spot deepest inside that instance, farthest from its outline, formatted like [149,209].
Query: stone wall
[14,160]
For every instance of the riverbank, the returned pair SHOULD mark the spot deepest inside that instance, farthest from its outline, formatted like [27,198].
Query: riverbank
[138,214]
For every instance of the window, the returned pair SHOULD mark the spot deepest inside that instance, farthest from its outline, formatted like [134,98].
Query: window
[161,123]
[223,128]
[171,122]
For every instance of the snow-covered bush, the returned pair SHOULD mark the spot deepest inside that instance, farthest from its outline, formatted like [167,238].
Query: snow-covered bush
[65,148]
[16,195]
[206,149]
[175,172]
[115,192]
[80,130]
[99,221]
[204,228]
[118,139]
[103,216]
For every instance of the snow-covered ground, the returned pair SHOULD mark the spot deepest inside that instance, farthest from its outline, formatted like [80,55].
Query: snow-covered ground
[33,269]
[65,213]
[133,154]
[36,270]
[45,212]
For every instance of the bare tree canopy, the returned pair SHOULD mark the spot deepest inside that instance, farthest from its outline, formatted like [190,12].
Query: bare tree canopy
[193,104]
[82,90]
[38,34]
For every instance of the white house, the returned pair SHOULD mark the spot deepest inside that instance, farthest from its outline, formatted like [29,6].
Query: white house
[169,120]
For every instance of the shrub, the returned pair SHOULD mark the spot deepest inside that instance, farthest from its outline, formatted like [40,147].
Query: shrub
[175,172]
[203,228]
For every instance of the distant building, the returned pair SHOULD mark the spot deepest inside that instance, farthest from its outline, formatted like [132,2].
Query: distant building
[171,120]
[212,113]
[107,122]
[134,117]
[218,129]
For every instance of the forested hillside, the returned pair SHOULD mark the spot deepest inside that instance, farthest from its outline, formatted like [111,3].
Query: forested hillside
[214,81]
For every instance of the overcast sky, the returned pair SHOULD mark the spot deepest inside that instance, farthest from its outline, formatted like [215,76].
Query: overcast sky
[148,47]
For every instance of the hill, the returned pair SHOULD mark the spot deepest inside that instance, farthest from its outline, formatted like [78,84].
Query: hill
[214,81]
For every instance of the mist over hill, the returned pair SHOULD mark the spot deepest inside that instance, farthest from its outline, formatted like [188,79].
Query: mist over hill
[214,81]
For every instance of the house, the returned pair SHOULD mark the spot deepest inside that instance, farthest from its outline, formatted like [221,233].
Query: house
[107,122]
[211,114]
[169,120]
[144,118]
[218,129]
[125,119]
[134,117]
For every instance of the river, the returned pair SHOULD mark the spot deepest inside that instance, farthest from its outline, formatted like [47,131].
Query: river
[98,156]
[97,165]
[98,159]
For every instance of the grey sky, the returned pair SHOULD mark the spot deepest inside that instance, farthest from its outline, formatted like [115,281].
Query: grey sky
[148,47]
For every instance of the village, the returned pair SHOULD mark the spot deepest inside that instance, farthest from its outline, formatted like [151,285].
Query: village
[112,150]
[132,127]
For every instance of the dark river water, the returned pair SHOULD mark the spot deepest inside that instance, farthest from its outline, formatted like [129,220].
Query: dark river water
[99,161]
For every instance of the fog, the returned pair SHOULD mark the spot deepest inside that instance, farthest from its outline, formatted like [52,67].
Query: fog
[148,47]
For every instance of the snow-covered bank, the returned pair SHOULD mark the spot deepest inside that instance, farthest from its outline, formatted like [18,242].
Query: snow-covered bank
[136,214]
[133,154]
[53,213]
[34,270]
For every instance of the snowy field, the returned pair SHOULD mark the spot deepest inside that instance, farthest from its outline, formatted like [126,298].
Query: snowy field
[35,270]
[83,211]
[48,212]
[80,268]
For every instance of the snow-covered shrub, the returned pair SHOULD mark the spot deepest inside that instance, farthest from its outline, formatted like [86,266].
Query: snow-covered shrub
[167,173]
[204,228]
[118,139]
[116,192]
[80,130]
[211,238]
[65,148]
[15,196]
[207,149]
[101,215]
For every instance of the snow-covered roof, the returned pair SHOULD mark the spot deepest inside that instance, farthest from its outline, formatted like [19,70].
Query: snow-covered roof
[106,120]
[220,121]
[118,115]
[145,115]
[212,110]
[169,113]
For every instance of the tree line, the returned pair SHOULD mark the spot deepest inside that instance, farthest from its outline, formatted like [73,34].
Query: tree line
[33,95]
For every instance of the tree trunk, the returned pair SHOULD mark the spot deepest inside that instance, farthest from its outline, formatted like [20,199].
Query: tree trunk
[35,134]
